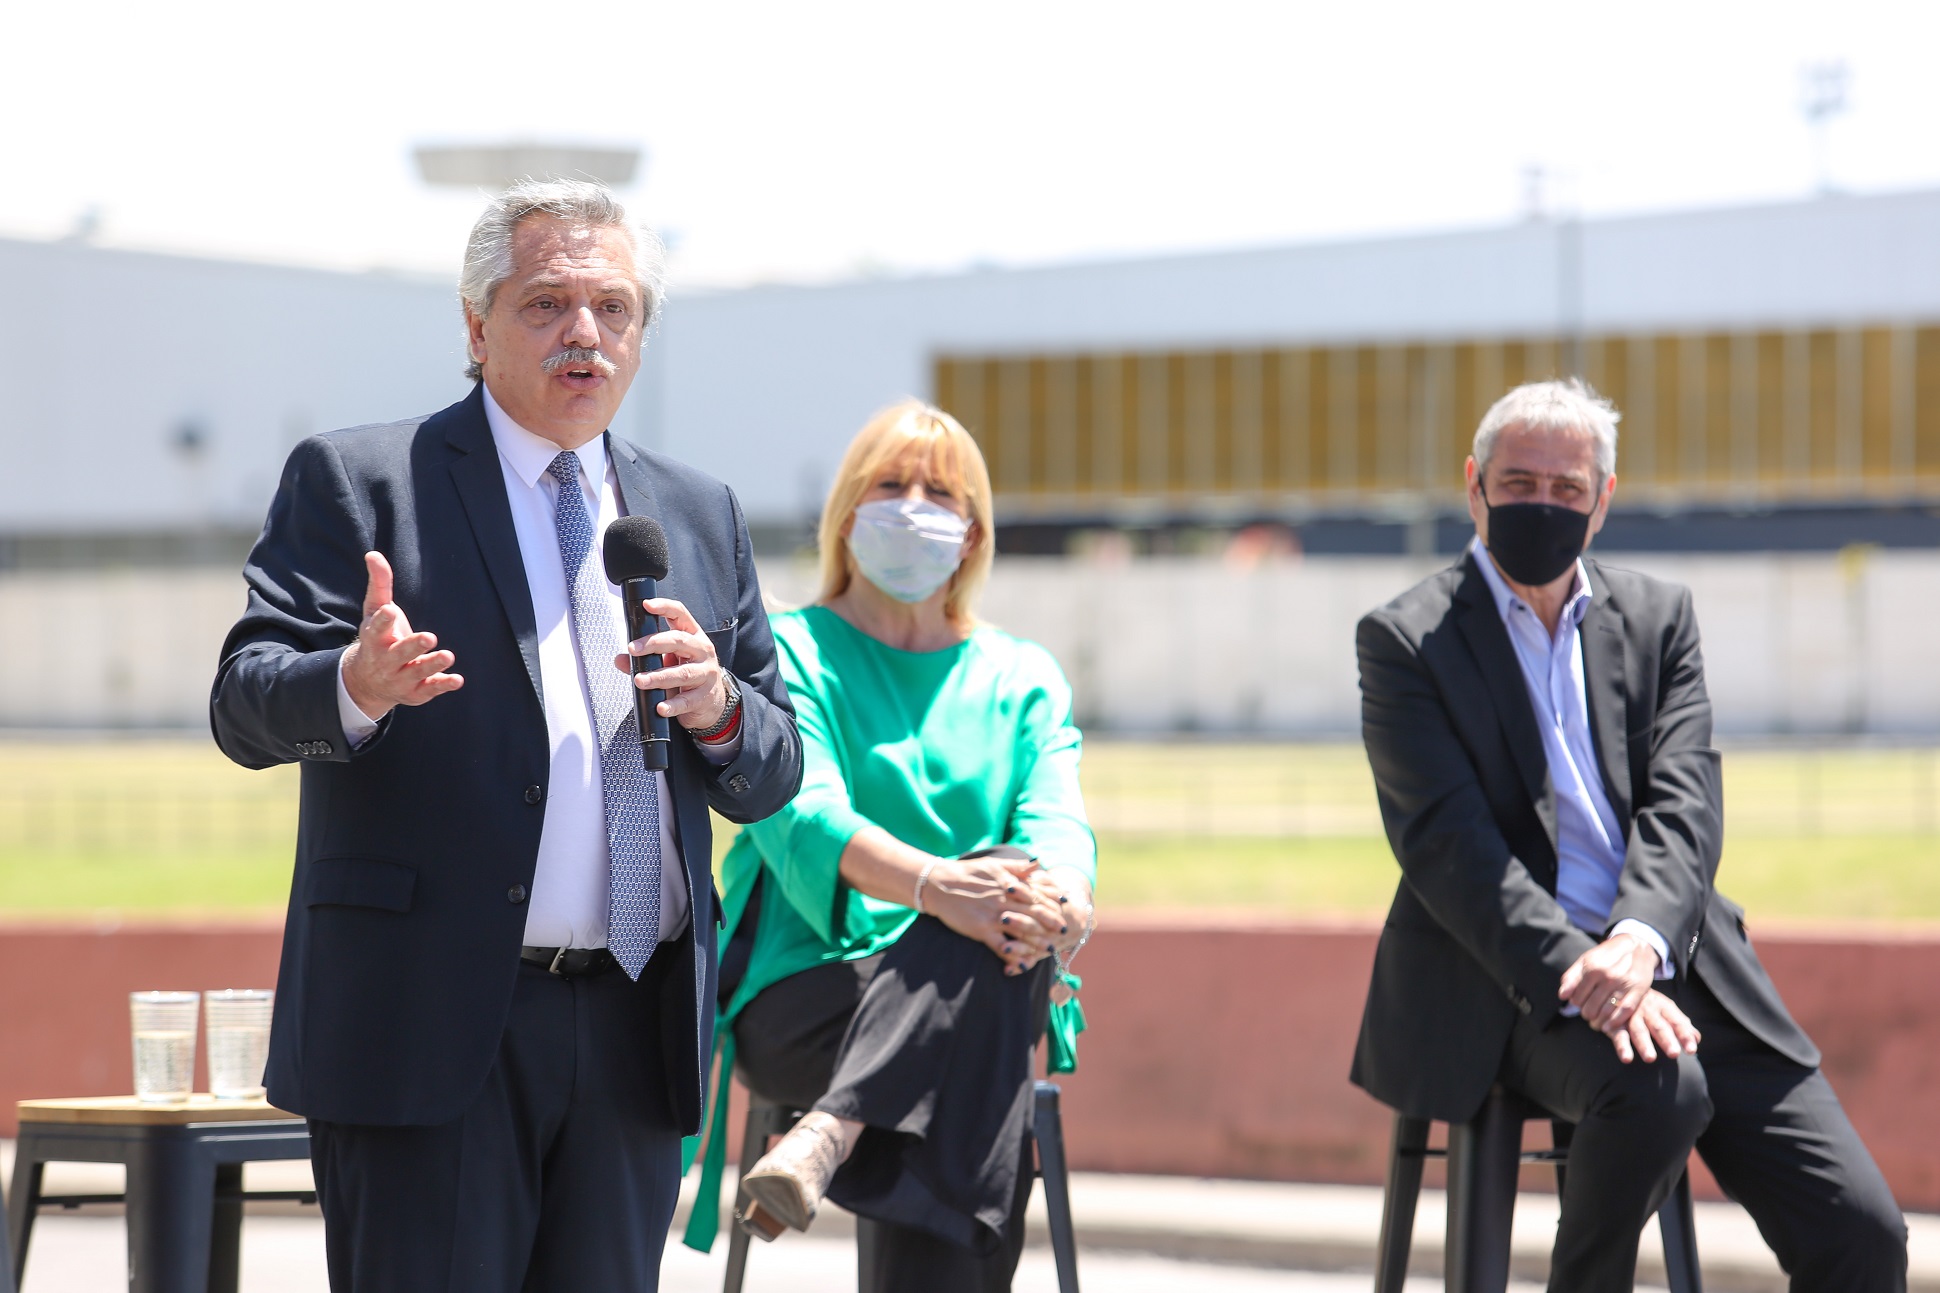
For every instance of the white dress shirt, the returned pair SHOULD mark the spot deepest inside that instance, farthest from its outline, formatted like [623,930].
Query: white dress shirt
[1589,838]
[567,906]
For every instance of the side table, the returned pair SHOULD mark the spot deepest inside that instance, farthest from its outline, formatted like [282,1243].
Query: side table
[184,1162]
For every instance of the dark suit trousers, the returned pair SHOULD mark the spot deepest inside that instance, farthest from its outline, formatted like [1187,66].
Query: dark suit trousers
[561,1174]
[930,1046]
[1770,1130]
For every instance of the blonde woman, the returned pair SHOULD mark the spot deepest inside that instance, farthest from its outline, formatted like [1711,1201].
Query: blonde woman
[893,931]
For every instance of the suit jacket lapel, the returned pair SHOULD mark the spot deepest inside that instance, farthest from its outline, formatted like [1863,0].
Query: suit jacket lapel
[636,483]
[1482,629]
[1607,696]
[637,492]
[481,487]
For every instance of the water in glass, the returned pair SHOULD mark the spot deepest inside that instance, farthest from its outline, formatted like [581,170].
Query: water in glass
[238,1042]
[164,1028]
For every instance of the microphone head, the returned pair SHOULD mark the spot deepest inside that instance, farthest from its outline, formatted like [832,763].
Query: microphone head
[635,548]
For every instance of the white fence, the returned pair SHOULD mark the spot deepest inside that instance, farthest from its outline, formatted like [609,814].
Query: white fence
[1793,644]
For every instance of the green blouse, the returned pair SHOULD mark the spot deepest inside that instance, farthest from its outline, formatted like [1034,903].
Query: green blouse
[949,751]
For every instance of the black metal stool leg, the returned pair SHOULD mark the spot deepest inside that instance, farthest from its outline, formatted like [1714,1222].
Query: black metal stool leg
[1407,1155]
[9,1282]
[764,1120]
[1047,1127]
[225,1234]
[1560,1135]
[23,1203]
[1483,1156]
[171,1216]
[1677,1222]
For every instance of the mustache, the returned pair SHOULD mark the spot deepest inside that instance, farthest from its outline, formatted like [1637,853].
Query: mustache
[581,357]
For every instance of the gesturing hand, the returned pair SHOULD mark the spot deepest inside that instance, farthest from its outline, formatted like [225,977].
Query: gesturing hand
[1609,981]
[389,665]
[1656,1025]
[993,901]
[689,672]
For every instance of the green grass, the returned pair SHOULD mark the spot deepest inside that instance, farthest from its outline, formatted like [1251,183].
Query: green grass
[1891,878]
[1813,833]
[1310,877]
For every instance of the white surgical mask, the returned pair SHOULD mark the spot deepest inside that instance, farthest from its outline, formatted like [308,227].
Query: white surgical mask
[906,548]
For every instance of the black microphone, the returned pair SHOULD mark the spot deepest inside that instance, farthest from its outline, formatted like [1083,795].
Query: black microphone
[636,559]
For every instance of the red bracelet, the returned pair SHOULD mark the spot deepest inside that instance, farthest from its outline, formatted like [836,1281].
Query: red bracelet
[725,735]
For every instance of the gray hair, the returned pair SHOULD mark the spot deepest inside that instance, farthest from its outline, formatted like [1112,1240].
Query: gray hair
[1567,405]
[488,253]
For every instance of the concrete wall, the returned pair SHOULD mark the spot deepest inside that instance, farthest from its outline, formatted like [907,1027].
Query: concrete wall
[1215,1048]
[1802,643]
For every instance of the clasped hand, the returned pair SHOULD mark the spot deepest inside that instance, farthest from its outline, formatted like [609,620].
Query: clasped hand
[1611,986]
[1015,907]
[690,669]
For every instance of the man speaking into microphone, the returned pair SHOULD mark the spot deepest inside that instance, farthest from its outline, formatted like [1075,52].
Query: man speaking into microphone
[495,1003]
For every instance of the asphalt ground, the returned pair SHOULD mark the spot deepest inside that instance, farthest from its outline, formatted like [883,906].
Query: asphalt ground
[1135,1233]
[285,1255]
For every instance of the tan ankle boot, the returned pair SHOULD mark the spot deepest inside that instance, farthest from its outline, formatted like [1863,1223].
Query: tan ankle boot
[754,1219]
[789,1181]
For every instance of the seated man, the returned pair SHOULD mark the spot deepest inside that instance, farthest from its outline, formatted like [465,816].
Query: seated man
[1541,743]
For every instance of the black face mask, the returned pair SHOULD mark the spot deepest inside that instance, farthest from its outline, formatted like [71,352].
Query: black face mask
[1535,543]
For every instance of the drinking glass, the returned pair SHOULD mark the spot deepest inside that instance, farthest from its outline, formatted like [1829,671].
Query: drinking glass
[164,1024]
[238,1041]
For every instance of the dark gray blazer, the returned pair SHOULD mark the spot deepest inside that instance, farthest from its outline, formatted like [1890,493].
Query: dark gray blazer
[414,855]
[1475,935]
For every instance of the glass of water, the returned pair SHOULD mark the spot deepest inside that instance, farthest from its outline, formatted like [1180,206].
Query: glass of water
[238,1041]
[164,1025]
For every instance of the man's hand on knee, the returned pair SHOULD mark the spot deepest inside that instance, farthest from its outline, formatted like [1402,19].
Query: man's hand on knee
[1608,982]
[1656,1026]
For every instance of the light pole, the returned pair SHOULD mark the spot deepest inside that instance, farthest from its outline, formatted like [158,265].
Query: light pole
[1823,88]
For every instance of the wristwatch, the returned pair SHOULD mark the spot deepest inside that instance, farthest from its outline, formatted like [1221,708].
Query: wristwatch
[728,712]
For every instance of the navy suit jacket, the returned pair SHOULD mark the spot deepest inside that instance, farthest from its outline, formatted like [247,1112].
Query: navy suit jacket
[1475,936]
[415,852]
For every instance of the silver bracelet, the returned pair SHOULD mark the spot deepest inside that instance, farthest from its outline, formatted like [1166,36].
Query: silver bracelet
[922,880]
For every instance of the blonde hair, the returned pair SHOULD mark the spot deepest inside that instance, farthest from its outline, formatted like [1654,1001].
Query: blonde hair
[933,442]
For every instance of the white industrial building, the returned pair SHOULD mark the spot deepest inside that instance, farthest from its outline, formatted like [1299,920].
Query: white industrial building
[1779,368]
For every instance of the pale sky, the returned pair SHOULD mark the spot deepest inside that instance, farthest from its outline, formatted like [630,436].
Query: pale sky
[803,142]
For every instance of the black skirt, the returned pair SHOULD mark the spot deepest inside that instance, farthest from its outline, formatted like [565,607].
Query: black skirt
[928,1045]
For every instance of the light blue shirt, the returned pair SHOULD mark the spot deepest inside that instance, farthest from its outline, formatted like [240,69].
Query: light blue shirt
[1589,838]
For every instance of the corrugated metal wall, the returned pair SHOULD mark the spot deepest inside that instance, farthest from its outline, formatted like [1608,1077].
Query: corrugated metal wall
[1709,418]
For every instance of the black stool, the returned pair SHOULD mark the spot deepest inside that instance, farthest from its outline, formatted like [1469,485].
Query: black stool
[184,1195]
[1483,1155]
[1047,1130]
[6,1263]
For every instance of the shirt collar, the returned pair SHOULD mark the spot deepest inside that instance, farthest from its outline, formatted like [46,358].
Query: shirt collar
[1505,596]
[529,455]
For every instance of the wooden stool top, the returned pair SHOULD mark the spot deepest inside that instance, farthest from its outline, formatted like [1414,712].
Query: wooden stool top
[127,1111]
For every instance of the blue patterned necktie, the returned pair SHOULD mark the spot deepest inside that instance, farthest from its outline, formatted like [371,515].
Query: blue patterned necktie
[632,799]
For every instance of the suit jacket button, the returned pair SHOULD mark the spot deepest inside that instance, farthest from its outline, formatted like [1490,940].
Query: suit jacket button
[1522,1004]
[533,794]
[738,784]
[515,895]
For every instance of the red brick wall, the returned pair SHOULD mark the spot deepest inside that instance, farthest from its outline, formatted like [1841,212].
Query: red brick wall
[1218,1046]
[64,997]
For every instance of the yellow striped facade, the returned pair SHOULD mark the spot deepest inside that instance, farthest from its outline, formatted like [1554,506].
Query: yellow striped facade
[1709,418]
